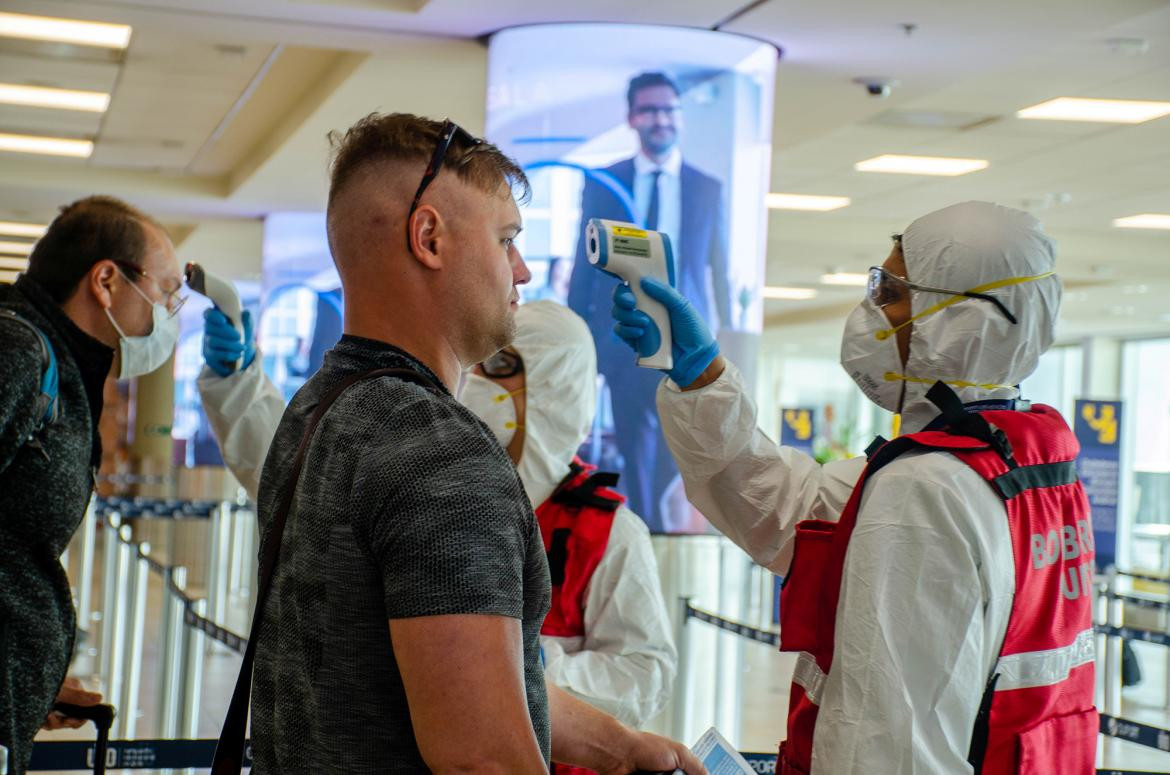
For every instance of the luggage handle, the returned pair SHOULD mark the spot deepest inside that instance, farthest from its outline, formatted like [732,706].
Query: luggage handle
[102,717]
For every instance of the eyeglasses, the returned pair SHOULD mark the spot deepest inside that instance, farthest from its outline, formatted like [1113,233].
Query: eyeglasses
[654,110]
[447,134]
[502,364]
[884,288]
[173,301]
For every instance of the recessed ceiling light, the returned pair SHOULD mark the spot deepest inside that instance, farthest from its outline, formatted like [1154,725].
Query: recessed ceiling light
[1144,221]
[845,278]
[50,146]
[787,293]
[14,229]
[806,202]
[921,165]
[18,25]
[9,248]
[13,264]
[65,99]
[1112,111]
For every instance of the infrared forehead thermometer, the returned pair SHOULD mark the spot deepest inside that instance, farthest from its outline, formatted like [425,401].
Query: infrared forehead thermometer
[631,253]
[222,294]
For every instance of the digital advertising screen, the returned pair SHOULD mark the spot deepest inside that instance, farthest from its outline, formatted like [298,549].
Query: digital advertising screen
[666,128]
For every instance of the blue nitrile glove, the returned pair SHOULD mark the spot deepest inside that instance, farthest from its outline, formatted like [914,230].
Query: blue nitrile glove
[693,347]
[221,342]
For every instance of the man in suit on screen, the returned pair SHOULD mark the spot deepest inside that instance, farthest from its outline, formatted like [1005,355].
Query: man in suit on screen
[674,197]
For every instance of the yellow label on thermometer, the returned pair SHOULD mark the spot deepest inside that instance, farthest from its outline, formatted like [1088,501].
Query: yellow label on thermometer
[626,231]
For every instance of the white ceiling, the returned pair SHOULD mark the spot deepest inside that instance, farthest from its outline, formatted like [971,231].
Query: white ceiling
[220,108]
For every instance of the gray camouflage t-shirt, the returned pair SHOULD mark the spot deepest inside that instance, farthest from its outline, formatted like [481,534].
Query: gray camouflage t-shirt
[407,506]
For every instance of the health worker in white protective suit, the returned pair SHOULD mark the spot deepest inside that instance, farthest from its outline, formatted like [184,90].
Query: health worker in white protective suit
[939,595]
[607,639]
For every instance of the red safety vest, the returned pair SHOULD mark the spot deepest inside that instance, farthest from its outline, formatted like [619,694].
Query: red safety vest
[575,523]
[1037,716]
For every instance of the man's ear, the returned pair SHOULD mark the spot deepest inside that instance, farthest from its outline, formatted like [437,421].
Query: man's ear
[427,232]
[101,280]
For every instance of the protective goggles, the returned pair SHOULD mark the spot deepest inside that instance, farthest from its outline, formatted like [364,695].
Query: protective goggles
[885,288]
[503,364]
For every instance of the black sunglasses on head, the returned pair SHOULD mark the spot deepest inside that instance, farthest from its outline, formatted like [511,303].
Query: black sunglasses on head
[447,134]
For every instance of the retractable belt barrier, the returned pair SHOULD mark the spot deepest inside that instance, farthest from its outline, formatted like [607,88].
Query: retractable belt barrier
[1143,577]
[191,618]
[1112,726]
[129,755]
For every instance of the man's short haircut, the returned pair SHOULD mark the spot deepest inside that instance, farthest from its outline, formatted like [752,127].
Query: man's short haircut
[645,81]
[403,137]
[85,232]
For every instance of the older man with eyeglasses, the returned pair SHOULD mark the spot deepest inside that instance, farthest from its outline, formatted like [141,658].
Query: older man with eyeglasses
[938,594]
[98,299]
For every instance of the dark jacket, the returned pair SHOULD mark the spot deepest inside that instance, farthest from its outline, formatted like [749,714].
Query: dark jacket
[700,256]
[43,497]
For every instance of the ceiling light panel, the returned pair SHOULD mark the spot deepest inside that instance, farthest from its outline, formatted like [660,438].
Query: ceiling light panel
[806,202]
[921,165]
[1144,221]
[49,146]
[63,99]
[845,278]
[83,33]
[18,229]
[9,248]
[786,293]
[1109,111]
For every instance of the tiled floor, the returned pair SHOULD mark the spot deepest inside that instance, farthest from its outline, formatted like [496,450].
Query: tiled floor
[739,685]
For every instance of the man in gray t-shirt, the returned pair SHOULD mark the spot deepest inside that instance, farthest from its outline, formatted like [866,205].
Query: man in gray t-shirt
[401,630]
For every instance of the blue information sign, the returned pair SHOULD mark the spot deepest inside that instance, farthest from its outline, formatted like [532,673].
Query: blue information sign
[1098,429]
[798,428]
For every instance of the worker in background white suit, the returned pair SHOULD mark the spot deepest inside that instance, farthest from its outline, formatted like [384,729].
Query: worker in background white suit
[625,661]
[929,577]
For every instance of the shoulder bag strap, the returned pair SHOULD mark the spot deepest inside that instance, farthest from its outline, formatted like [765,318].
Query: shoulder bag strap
[229,752]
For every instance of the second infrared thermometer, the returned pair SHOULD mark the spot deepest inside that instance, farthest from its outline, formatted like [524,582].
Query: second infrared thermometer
[222,294]
[630,253]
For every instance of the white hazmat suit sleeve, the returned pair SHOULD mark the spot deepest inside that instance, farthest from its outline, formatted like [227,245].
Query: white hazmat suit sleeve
[752,490]
[627,642]
[925,601]
[244,410]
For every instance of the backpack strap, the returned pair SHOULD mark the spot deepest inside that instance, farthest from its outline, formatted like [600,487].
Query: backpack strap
[587,493]
[960,422]
[45,412]
[229,752]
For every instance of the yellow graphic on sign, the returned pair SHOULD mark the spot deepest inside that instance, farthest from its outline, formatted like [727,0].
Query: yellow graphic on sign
[800,421]
[626,231]
[1102,419]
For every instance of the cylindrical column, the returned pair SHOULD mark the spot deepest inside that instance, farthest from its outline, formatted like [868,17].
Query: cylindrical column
[135,638]
[241,540]
[681,700]
[116,663]
[85,576]
[193,675]
[1113,653]
[109,589]
[171,655]
[216,559]
[154,414]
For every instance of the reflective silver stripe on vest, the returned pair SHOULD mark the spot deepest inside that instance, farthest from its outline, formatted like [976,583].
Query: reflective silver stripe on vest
[809,676]
[1045,668]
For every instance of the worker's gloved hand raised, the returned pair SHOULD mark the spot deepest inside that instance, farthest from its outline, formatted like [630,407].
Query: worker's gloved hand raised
[693,347]
[221,342]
